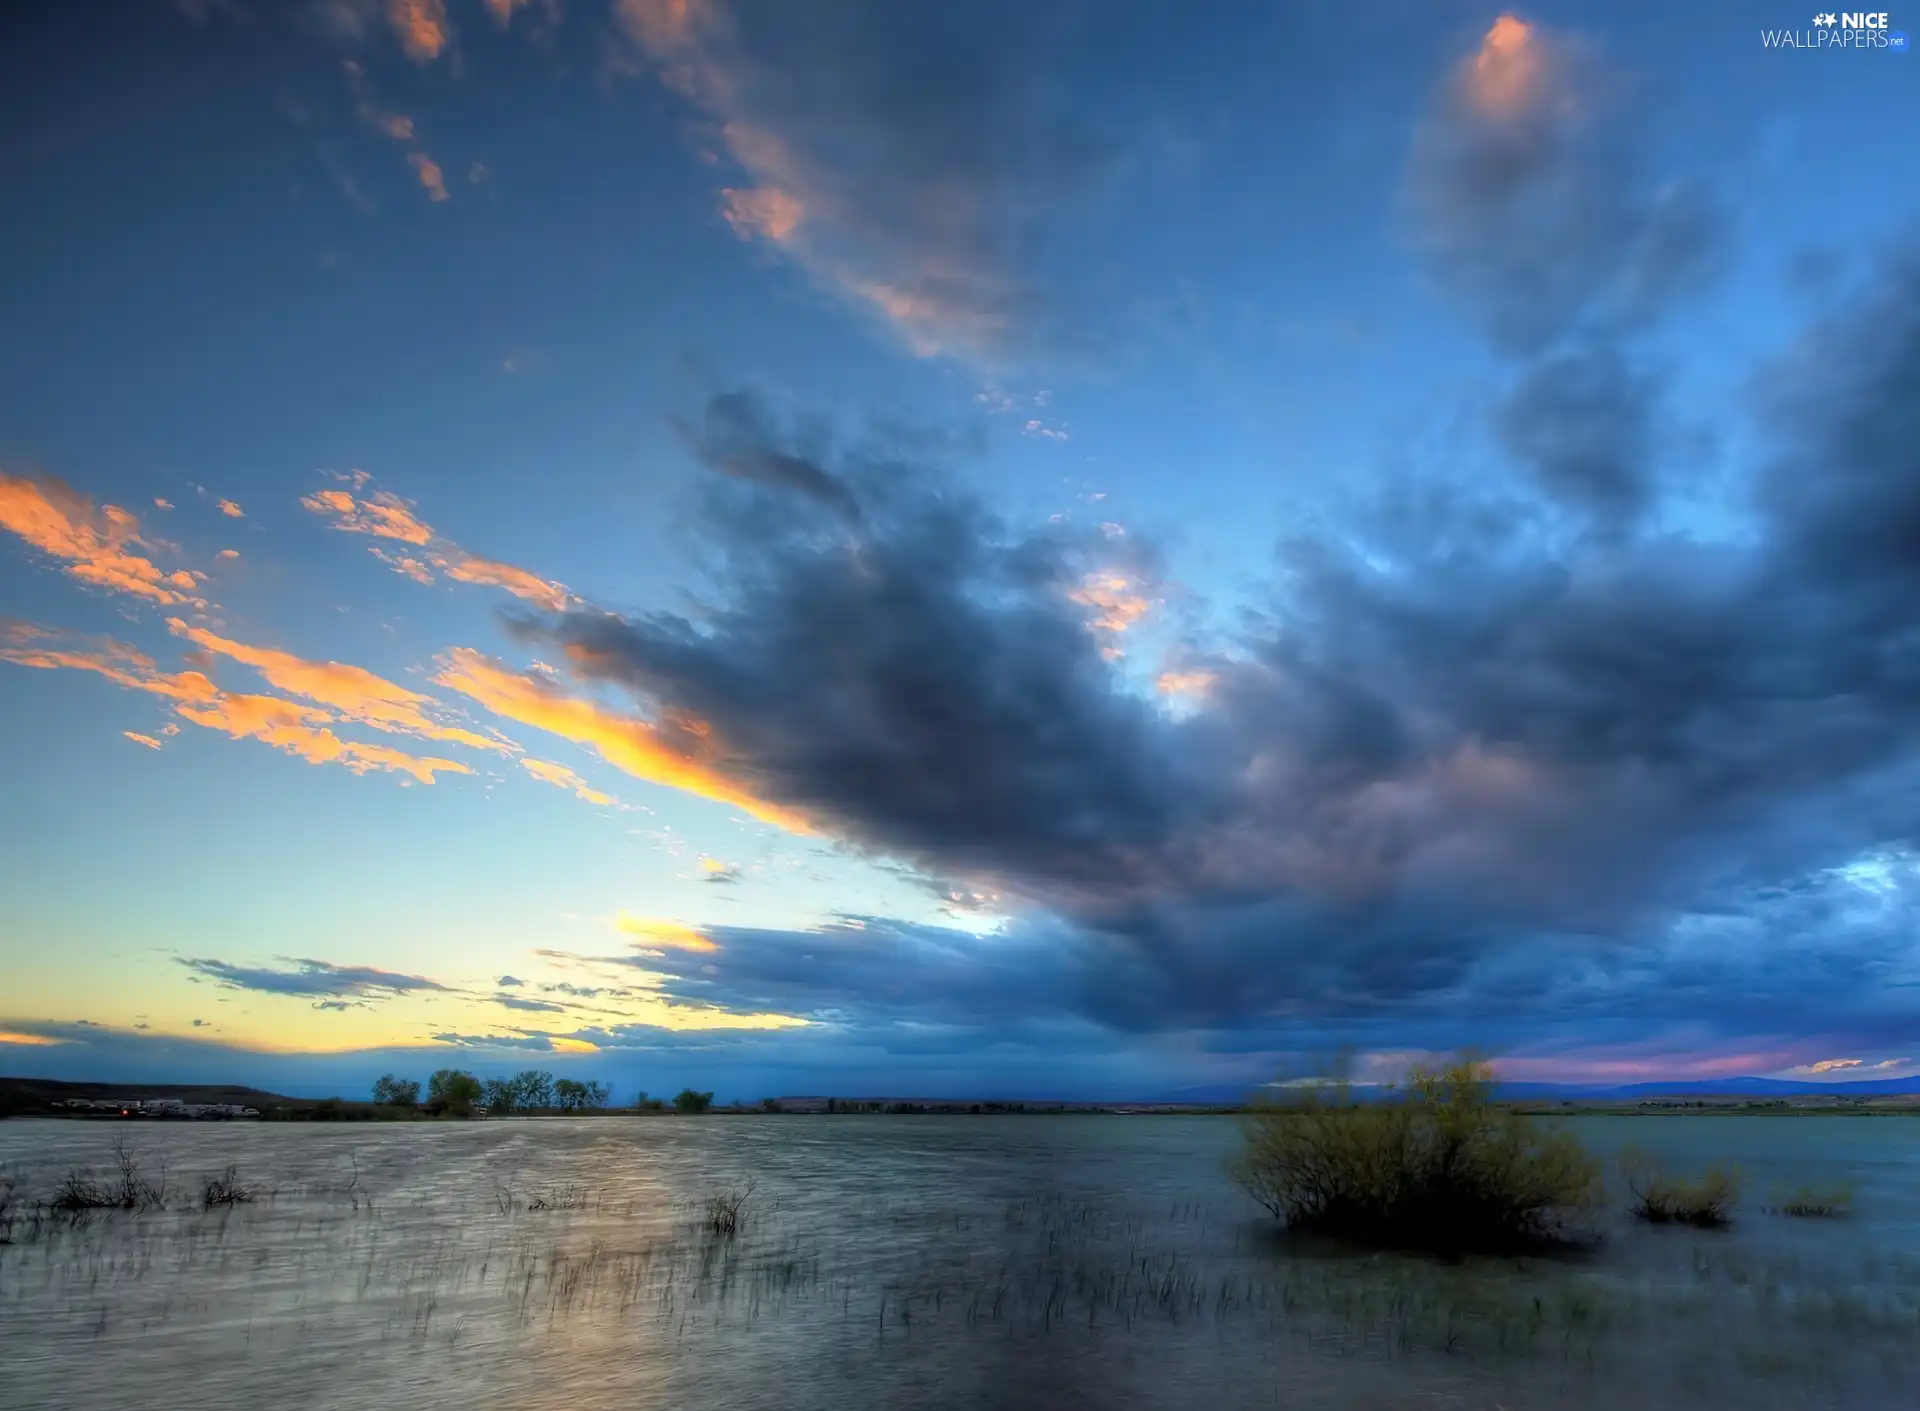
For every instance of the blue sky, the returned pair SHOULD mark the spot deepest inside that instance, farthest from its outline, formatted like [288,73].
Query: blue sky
[1062,549]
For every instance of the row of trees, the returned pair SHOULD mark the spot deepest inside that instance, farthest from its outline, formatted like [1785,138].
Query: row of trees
[458,1093]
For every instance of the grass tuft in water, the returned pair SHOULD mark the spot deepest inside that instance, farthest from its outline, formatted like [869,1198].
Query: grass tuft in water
[723,1211]
[127,1187]
[1706,1201]
[1814,1202]
[226,1189]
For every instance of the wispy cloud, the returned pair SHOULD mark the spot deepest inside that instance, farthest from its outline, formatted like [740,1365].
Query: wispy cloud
[312,977]
[353,693]
[1528,202]
[677,754]
[384,515]
[230,509]
[139,739]
[285,725]
[1182,683]
[657,935]
[1115,599]
[895,161]
[431,177]
[421,28]
[531,1006]
[96,546]
[397,126]
[562,777]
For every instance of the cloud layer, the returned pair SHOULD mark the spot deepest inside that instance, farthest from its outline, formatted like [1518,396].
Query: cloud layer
[1461,765]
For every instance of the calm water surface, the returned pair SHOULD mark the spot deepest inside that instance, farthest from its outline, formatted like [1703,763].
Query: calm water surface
[916,1261]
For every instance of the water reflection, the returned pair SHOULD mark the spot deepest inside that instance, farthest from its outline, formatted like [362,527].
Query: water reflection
[971,1262]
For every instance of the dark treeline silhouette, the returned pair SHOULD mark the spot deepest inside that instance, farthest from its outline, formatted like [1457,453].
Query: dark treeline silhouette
[452,1092]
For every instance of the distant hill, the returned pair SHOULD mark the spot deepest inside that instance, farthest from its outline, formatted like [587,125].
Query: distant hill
[1629,1092]
[33,1094]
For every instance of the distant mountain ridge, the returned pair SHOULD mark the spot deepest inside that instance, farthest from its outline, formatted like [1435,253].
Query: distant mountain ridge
[1602,1092]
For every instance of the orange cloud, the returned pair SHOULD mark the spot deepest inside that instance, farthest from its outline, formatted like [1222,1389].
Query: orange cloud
[420,26]
[286,725]
[640,748]
[28,1040]
[503,10]
[161,504]
[471,568]
[386,516]
[355,693]
[1118,609]
[1507,70]
[766,211]
[402,564]
[1176,683]
[231,510]
[662,26]
[382,514]
[430,175]
[56,519]
[662,935]
[139,739]
[562,777]
[228,554]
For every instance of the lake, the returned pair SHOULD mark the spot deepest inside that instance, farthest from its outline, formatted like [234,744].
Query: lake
[994,1262]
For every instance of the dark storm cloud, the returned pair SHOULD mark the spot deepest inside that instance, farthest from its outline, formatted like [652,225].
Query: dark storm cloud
[1456,768]
[736,440]
[929,684]
[1529,201]
[312,977]
[1846,495]
[1579,419]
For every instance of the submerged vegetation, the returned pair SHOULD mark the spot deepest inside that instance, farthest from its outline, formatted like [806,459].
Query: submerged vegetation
[724,1209]
[1705,1201]
[1439,1166]
[126,1187]
[1814,1201]
[225,1189]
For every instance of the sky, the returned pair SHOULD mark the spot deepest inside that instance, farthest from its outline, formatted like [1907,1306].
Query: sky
[1056,550]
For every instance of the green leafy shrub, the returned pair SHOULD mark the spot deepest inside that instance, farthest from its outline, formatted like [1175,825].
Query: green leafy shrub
[1436,1166]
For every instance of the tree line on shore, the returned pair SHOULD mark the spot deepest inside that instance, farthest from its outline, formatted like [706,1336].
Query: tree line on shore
[454,1092]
